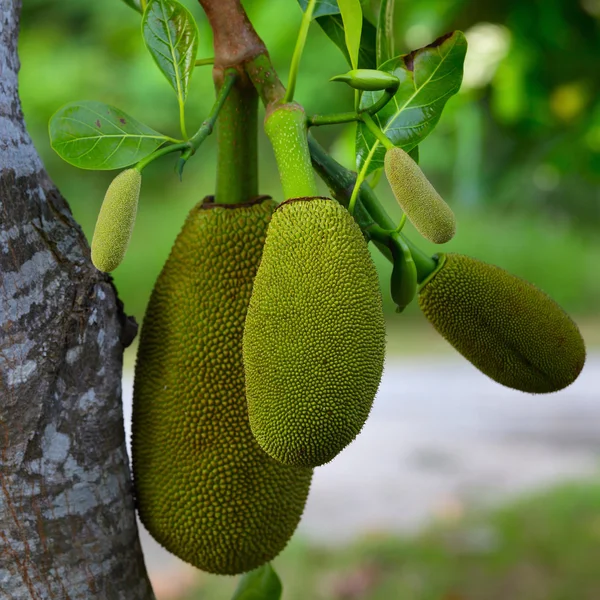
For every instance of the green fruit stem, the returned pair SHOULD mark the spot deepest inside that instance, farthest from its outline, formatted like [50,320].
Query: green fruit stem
[285,125]
[341,181]
[237,139]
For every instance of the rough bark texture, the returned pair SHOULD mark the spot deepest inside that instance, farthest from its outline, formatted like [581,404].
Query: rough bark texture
[67,524]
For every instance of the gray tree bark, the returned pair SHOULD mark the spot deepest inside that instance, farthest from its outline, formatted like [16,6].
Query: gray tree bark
[67,522]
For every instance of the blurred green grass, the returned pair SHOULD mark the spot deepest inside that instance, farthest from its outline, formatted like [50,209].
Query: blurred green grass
[541,547]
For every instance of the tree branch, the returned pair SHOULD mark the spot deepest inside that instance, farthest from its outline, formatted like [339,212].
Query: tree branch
[235,39]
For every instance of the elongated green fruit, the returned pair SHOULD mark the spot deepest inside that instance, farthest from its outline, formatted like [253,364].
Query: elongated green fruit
[425,208]
[403,282]
[509,329]
[370,80]
[286,128]
[314,337]
[116,220]
[204,488]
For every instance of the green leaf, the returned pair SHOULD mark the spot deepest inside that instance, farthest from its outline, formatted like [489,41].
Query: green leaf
[94,135]
[333,26]
[322,7]
[428,77]
[385,31]
[261,584]
[352,18]
[171,37]
[328,16]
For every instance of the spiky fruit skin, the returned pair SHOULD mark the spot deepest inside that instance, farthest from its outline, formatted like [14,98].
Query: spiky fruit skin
[423,206]
[508,328]
[204,488]
[314,338]
[116,220]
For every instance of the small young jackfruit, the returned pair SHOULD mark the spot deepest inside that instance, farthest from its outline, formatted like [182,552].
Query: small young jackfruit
[423,206]
[509,329]
[204,488]
[314,337]
[116,220]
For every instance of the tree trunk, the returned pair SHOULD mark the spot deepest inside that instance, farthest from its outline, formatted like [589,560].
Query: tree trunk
[67,521]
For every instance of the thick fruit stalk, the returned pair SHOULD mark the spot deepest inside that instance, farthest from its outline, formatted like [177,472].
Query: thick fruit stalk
[285,126]
[314,338]
[204,488]
[509,329]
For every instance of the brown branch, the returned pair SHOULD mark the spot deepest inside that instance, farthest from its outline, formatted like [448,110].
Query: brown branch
[238,45]
[235,39]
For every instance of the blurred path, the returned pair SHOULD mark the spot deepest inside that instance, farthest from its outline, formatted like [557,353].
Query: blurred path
[441,435]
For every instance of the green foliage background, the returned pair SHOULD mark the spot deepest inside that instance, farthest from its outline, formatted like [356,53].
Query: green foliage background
[518,156]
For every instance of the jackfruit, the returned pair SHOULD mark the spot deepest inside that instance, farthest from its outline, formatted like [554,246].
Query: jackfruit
[423,206]
[116,220]
[204,488]
[508,328]
[314,336]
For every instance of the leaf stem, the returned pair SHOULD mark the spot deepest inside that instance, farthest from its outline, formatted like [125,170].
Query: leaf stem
[182,118]
[361,177]
[161,152]
[333,119]
[143,4]
[348,117]
[376,131]
[298,50]
[201,62]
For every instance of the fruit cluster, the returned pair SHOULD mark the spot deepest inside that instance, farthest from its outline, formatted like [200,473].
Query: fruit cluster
[263,346]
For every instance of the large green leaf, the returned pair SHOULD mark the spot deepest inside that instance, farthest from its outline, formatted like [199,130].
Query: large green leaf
[94,135]
[385,31]
[261,584]
[171,36]
[352,18]
[135,4]
[428,77]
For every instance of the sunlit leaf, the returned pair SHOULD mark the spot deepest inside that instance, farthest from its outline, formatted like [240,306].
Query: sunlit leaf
[261,584]
[94,135]
[428,77]
[385,31]
[351,12]
[171,37]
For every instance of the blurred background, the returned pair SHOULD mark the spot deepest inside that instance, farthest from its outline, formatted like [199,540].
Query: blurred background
[457,488]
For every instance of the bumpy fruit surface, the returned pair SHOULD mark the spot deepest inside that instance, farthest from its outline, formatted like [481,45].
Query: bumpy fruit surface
[423,206]
[204,488]
[116,220]
[315,335]
[509,329]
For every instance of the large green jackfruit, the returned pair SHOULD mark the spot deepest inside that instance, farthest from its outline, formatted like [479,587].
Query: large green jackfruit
[508,328]
[204,488]
[314,338]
